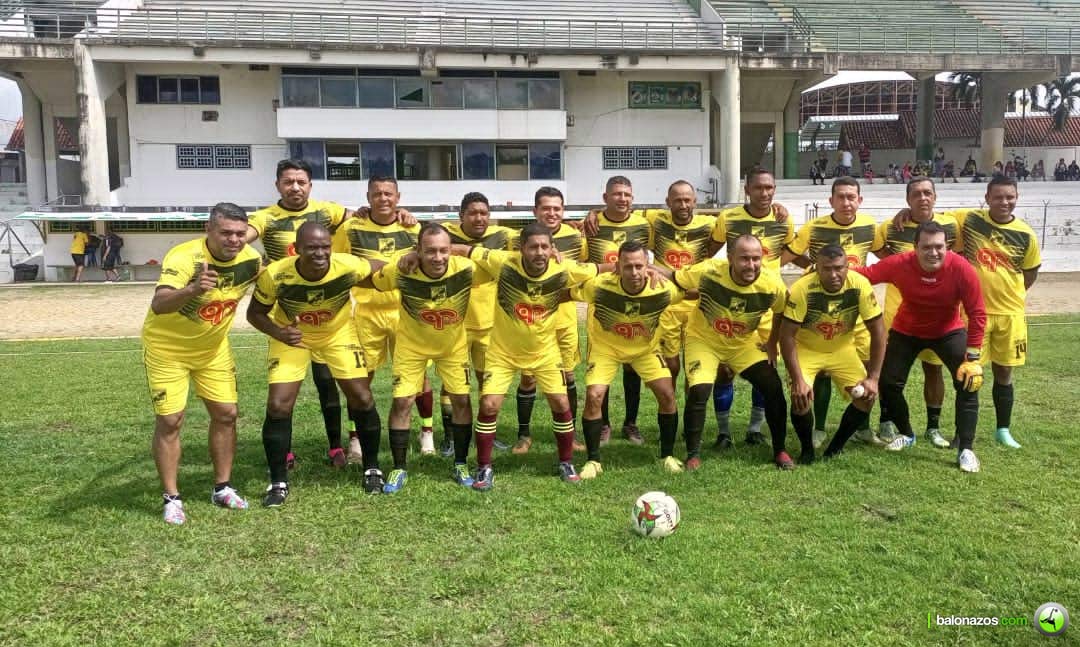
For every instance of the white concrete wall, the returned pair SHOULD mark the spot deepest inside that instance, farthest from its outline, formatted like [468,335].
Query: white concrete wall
[419,124]
[598,107]
[353,194]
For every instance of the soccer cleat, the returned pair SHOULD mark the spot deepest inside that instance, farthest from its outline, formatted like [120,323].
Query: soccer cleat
[605,435]
[723,441]
[672,465]
[337,458]
[460,473]
[276,493]
[373,481]
[693,464]
[818,438]
[868,437]
[631,432]
[591,470]
[290,461]
[227,497]
[355,455]
[900,443]
[396,481]
[484,479]
[967,461]
[174,512]
[567,472]
[887,432]
[755,438]
[784,462]
[500,445]
[446,447]
[522,445]
[1003,437]
[936,439]
[427,443]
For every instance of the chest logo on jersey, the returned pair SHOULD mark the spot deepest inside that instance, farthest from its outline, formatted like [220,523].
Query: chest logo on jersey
[680,236]
[530,313]
[632,309]
[847,240]
[215,312]
[830,330]
[618,237]
[315,318]
[314,296]
[729,327]
[226,281]
[834,307]
[758,231]
[387,246]
[440,318]
[438,293]
[535,290]
[993,259]
[737,305]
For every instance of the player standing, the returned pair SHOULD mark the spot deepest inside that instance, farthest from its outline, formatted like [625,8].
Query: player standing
[186,337]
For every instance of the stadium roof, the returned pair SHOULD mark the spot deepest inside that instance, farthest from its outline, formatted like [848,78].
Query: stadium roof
[958,124]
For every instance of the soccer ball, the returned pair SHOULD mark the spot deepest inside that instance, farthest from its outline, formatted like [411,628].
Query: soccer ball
[655,514]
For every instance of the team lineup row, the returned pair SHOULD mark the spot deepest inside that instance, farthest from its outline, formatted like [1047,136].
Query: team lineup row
[347,291]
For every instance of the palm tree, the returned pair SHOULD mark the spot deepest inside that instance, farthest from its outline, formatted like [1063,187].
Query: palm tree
[1028,97]
[966,86]
[1061,98]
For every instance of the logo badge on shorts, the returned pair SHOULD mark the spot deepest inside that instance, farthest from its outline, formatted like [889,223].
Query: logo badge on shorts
[314,296]
[396,380]
[273,363]
[158,396]
[694,367]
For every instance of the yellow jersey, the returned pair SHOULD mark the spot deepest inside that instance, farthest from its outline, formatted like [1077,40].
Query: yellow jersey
[676,246]
[604,246]
[898,242]
[728,314]
[828,320]
[79,242]
[322,306]
[857,239]
[203,322]
[1000,253]
[433,310]
[365,238]
[774,236]
[482,301]
[525,322]
[277,225]
[625,325]
[571,244]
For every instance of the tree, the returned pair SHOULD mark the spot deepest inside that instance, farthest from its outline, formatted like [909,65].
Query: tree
[967,86]
[1061,97]
[1028,97]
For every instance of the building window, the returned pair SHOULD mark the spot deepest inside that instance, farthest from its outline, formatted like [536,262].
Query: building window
[61,227]
[377,159]
[513,94]
[411,93]
[300,92]
[427,162]
[512,162]
[133,226]
[478,161]
[212,156]
[178,89]
[635,158]
[378,88]
[337,93]
[545,161]
[375,93]
[342,161]
[171,226]
[447,93]
[545,94]
[479,94]
[312,152]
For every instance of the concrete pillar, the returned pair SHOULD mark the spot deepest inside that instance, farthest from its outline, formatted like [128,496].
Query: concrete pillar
[993,92]
[93,141]
[122,139]
[779,146]
[33,147]
[792,124]
[48,131]
[727,98]
[924,117]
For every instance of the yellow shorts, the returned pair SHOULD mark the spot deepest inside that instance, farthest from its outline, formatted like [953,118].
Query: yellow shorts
[1005,340]
[168,375]
[500,371]
[843,365]
[702,359]
[342,353]
[410,368]
[569,348]
[928,356]
[479,340]
[377,328]
[603,366]
[673,329]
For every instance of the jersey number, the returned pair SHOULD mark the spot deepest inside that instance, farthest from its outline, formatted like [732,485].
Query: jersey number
[1021,349]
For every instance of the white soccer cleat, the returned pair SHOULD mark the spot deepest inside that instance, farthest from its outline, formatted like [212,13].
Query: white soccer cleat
[427,443]
[887,432]
[968,462]
[936,439]
[900,443]
[818,438]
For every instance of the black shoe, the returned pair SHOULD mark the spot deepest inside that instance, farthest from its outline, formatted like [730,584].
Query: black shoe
[374,481]
[446,447]
[755,438]
[722,442]
[276,493]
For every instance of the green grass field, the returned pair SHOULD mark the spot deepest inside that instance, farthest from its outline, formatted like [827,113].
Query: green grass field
[854,552]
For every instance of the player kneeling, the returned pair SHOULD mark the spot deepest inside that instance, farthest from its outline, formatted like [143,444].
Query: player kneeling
[624,329]
[817,335]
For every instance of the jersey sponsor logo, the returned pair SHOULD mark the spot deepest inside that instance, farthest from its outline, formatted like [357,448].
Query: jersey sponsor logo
[611,256]
[291,250]
[830,330]
[530,313]
[215,312]
[315,317]
[993,259]
[678,259]
[853,261]
[728,327]
[441,318]
[630,330]
[834,307]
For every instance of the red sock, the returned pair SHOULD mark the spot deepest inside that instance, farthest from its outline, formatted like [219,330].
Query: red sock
[485,439]
[425,404]
[564,435]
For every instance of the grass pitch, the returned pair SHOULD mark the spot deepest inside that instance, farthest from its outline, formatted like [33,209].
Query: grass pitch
[855,552]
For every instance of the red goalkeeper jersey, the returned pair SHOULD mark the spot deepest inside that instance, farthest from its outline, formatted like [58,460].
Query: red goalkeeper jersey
[931,299]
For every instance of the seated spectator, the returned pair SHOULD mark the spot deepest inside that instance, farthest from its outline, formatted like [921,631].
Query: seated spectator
[1074,171]
[999,170]
[949,170]
[1010,170]
[816,173]
[1061,171]
[969,168]
[868,172]
[905,174]
[1020,168]
[1038,172]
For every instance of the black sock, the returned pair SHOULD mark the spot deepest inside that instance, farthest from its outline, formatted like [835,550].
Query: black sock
[632,391]
[329,402]
[399,447]
[218,487]
[1003,404]
[669,428]
[591,429]
[277,438]
[697,397]
[447,419]
[525,402]
[462,436]
[369,431]
[605,417]
[822,395]
[571,394]
[804,424]
[853,418]
[933,417]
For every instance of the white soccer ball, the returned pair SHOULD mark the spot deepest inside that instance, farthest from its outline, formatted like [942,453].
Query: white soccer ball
[857,391]
[655,514]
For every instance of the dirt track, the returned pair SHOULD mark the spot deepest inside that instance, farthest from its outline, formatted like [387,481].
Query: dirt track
[98,310]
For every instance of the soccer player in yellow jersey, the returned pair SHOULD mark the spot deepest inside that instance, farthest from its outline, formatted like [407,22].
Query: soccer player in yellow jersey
[921,198]
[858,234]
[302,303]
[185,336]
[529,287]
[474,228]
[276,226]
[767,221]
[435,304]
[548,208]
[1005,253]
[733,296]
[817,335]
[624,328]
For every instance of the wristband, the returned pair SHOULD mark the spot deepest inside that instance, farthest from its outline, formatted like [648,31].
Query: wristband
[973,354]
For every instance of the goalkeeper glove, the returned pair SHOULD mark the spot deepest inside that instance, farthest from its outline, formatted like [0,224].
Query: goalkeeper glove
[970,373]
